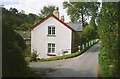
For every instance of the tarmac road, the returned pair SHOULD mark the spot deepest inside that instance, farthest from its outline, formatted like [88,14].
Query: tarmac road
[85,65]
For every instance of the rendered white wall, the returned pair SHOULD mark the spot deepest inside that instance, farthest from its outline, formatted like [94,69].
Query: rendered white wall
[40,40]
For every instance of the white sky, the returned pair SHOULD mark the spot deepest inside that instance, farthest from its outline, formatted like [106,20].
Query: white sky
[34,6]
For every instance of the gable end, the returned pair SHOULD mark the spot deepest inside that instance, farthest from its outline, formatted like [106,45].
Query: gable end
[49,17]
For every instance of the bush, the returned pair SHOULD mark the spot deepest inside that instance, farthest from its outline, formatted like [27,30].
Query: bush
[34,56]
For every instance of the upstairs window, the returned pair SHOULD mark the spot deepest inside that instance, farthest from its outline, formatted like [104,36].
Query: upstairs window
[51,48]
[51,30]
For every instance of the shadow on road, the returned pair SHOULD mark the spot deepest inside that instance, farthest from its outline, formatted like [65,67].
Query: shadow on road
[61,72]
[46,72]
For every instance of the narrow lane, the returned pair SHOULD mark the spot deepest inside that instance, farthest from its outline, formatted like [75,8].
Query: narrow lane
[85,65]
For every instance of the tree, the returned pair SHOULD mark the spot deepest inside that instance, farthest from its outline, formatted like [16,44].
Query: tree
[47,11]
[92,22]
[13,10]
[24,26]
[22,11]
[79,10]
[89,33]
[19,20]
[12,19]
[31,18]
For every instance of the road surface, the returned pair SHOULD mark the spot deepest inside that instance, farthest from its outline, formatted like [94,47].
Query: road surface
[85,65]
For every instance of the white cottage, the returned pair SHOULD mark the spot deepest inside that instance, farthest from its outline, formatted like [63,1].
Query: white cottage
[51,36]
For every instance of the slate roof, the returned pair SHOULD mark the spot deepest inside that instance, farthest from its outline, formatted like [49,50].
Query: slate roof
[75,26]
[25,34]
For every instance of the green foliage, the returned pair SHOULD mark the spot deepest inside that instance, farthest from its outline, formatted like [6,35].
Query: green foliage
[108,31]
[47,11]
[11,19]
[92,22]
[19,20]
[13,48]
[24,26]
[89,31]
[28,50]
[14,10]
[79,10]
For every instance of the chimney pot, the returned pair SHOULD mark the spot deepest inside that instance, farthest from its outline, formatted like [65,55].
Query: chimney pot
[57,8]
[62,18]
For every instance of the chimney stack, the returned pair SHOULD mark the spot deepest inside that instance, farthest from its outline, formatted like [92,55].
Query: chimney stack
[62,18]
[56,12]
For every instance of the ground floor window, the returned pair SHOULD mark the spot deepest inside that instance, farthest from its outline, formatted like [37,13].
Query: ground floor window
[51,48]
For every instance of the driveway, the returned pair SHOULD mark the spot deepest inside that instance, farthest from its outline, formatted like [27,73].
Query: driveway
[85,65]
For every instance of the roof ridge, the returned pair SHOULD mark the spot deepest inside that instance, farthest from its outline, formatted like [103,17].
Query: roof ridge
[53,17]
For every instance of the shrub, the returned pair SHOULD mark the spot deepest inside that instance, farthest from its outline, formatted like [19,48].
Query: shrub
[34,56]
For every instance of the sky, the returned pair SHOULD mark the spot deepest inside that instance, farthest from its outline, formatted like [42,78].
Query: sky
[34,6]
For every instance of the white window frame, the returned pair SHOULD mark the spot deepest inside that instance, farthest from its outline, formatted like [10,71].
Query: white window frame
[51,29]
[51,48]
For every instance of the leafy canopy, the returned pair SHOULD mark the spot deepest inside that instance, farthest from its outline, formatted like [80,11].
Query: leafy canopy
[19,20]
[79,10]
[46,11]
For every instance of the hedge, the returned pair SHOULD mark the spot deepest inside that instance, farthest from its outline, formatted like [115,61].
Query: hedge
[108,23]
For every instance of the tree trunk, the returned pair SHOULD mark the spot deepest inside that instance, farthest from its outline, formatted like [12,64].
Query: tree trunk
[82,20]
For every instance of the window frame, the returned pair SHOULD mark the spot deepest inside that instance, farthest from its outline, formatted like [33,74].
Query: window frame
[51,31]
[51,48]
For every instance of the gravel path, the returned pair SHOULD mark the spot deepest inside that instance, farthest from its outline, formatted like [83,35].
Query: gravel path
[85,65]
